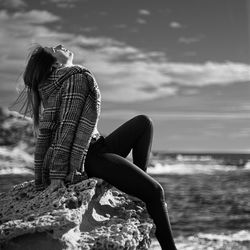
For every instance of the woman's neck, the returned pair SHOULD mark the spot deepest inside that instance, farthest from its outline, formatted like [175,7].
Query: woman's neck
[67,64]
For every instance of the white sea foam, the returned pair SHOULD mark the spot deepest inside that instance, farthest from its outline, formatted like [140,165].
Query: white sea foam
[16,153]
[241,236]
[15,170]
[247,166]
[187,168]
[15,161]
[215,241]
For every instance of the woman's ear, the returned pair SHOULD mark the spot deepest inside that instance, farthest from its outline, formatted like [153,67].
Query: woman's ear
[56,65]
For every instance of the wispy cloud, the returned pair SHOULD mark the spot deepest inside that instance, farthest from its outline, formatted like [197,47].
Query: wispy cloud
[17,33]
[141,21]
[189,40]
[190,53]
[30,17]
[103,13]
[245,106]
[12,4]
[190,91]
[209,73]
[88,29]
[63,3]
[175,25]
[121,26]
[241,133]
[144,12]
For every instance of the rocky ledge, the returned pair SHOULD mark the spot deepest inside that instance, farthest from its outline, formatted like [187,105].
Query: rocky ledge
[86,215]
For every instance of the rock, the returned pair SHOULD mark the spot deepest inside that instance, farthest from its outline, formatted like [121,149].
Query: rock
[81,216]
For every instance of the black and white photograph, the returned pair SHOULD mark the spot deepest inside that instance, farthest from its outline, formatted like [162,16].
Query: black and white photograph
[124,124]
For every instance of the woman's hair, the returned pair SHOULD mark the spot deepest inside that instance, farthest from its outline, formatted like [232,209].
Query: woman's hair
[38,69]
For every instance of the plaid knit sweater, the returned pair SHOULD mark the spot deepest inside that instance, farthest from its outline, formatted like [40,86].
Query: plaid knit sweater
[71,104]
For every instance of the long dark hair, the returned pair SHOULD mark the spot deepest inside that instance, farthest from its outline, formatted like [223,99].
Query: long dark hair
[38,69]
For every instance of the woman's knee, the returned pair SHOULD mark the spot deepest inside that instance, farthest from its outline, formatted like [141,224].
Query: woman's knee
[159,192]
[156,193]
[145,120]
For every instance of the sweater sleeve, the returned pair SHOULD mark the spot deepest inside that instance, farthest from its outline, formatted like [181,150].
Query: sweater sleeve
[42,145]
[73,101]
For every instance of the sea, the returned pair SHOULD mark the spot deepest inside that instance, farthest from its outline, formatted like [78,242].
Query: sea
[208,195]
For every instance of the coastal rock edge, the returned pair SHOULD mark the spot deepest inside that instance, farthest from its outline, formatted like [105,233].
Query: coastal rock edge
[86,215]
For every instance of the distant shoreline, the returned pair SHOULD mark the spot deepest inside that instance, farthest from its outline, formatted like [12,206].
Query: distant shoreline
[244,155]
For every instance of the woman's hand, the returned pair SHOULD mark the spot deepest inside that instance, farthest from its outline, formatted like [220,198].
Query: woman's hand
[55,184]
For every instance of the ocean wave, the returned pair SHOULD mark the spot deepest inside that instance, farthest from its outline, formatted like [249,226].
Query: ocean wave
[12,169]
[241,236]
[15,161]
[247,166]
[161,168]
[17,153]
[231,241]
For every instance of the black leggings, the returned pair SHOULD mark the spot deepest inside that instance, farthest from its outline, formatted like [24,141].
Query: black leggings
[106,160]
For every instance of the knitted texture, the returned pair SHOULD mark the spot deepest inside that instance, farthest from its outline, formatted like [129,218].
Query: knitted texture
[71,103]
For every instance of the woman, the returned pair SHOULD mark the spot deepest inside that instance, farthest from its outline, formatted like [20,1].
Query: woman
[65,102]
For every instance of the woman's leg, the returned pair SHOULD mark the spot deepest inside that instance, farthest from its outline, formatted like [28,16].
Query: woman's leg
[109,164]
[135,134]
[132,180]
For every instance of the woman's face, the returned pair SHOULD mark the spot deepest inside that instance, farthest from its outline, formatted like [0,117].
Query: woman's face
[63,55]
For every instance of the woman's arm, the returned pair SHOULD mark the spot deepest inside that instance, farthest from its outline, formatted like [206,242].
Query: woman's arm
[42,145]
[73,101]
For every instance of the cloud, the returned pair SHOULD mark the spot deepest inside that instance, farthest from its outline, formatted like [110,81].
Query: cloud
[144,12]
[99,43]
[209,73]
[103,13]
[189,40]
[241,133]
[190,53]
[245,106]
[64,3]
[121,26]
[175,25]
[88,29]
[190,91]
[124,73]
[13,4]
[30,17]
[18,31]
[141,21]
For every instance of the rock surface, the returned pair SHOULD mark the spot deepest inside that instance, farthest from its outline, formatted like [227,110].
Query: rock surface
[82,216]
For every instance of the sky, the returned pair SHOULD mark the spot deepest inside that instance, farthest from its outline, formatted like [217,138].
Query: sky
[183,63]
